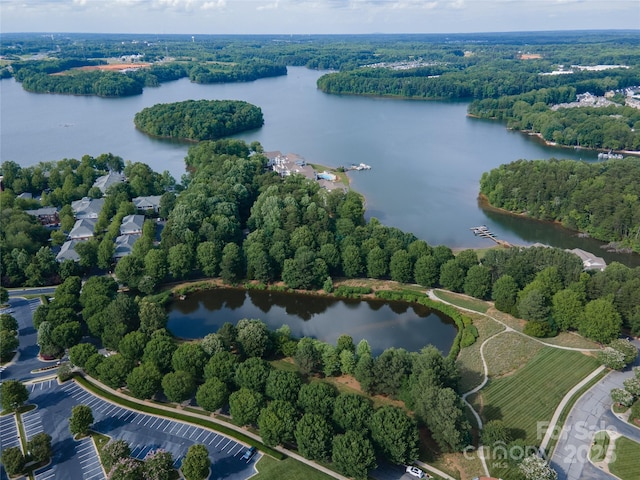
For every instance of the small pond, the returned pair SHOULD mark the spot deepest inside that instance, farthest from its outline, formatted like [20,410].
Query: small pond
[384,324]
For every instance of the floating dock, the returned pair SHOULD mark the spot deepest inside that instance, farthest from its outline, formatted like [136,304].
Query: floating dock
[484,232]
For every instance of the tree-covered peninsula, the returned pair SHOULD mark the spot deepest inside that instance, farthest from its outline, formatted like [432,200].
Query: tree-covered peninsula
[601,199]
[199,119]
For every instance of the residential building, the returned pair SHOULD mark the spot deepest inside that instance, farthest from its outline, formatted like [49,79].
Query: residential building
[83,229]
[124,245]
[146,204]
[132,224]
[87,207]
[105,181]
[68,252]
[47,216]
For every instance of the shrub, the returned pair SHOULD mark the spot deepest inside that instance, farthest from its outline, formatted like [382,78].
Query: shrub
[539,329]
[611,358]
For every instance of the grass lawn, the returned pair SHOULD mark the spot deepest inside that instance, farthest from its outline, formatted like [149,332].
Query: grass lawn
[627,459]
[463,301]
[508,352]
[287,469]
[532,393]
[600,445]
[469,362]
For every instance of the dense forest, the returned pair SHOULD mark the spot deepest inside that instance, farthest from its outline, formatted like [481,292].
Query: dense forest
[601,199]
[199,119]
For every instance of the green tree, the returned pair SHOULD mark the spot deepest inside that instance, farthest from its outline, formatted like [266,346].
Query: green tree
[443,412]
[208,255]
[377,263]
[253,374]
[196,463]
[627,348]
[452,276]
[159,351]
[426,271]
[283,385]
[317,397]
[353,455]
[245,406]
[80,420]
[394,434]
[505,294]
[567,309]
[80,353]
[156,264]
[106,249]
[307,358]
[495,431]
[231,265]
[352,412]
[277,422]
[178,386]
[221,365]
[254,337]
[8,343]
[478,281]
[7,322]
[13,460]
[144,381]
[181,260]
[14,394]
[190,358]
[212,394]
[601,322]
[4,296]
[113,370]
[132,345]
[314,436]
[401,267]
[351,261]
[88,253]
[67,334]
[39,447]
[152,317]
[532,305]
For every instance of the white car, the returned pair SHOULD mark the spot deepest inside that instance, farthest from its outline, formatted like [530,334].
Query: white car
[415,472]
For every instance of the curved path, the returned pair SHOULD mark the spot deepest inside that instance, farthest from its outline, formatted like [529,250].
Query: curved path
[554,420]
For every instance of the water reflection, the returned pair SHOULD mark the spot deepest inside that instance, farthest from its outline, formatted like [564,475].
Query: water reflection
[383,324]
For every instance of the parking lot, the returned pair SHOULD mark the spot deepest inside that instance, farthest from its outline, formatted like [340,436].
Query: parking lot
[144,433]
[9,432]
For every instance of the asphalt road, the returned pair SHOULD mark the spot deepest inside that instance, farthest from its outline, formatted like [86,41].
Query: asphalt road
[591,413]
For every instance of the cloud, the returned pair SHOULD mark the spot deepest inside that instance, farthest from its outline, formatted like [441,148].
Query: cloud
[269,6]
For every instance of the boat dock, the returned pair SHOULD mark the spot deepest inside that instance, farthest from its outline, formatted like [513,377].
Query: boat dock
[484,232]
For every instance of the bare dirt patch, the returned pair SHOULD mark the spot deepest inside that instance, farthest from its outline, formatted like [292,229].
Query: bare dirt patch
[114,67]
[530,56]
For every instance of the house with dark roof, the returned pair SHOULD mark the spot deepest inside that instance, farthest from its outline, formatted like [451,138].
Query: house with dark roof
[47,216]
[146,204]
[132,224]
[87,207]
[83,229]
[68,251]
[111,178]
[124,245]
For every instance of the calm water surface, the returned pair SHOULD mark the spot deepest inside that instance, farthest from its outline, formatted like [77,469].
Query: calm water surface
[427,157]
[383,324]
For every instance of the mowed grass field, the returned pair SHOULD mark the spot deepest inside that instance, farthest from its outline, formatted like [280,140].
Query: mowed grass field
[627,460]
[532,393]
[287,469]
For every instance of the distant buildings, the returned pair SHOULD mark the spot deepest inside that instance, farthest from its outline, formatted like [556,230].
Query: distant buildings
[105,181]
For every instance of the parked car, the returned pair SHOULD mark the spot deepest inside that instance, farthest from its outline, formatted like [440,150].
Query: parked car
[415,472]
[249,453]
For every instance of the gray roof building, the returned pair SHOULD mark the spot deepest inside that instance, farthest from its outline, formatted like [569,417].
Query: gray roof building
[151,202]
[132,224]
[68,251]
[87,207]
[105,181]
[82,229]
[124,245]
[45,215]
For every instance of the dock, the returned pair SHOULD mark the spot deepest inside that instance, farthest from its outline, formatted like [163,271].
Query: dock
[484,232]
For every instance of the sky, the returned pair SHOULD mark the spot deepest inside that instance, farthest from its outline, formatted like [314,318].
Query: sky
[315,16]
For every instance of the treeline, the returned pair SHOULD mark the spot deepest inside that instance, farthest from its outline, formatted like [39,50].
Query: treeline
[612,127]
[487,79]
[601,199]
[102,84]
[199,119]
[300,408]
[56,76]
[244,72]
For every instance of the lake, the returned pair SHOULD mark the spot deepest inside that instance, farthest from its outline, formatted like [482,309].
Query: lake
[427,157]
[384,324]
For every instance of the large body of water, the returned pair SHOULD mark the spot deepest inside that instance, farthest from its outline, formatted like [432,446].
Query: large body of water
[382,324]
[427,157]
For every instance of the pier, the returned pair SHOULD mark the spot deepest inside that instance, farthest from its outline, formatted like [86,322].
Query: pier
[484,232]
